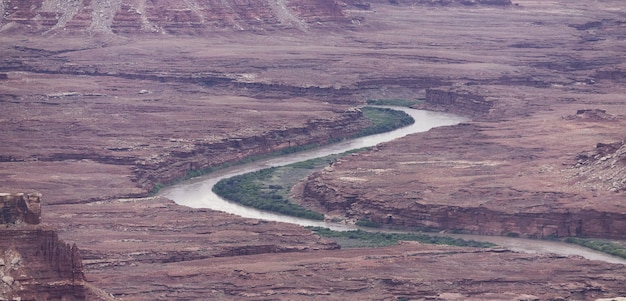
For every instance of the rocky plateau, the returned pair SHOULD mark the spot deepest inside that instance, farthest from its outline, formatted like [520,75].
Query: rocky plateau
[105,100]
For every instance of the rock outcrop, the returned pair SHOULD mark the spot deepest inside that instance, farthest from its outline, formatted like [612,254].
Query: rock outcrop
[38,266]
[457,101]
[34,263]
[194,158]
[457,191]
[603,168]
[20,208]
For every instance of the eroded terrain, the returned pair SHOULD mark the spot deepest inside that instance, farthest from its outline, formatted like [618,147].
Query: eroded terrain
[104,100]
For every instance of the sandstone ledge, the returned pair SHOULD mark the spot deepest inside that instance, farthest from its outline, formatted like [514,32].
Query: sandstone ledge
[409,270]
[34,263]
[502,187]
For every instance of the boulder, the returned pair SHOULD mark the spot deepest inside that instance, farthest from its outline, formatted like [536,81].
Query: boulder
[18,208]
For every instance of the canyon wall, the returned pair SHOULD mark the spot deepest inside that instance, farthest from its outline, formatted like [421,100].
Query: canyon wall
[459,101]
[438,183]
[165,16]
[475,220]
[34,263]
[188,16]
[195,158]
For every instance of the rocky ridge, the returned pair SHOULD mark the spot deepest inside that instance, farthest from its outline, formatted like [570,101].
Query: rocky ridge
[34,263]
[540,202]
[188,16]
[172,17]
[407,271]
[152,236]
[603,168]
[140,155]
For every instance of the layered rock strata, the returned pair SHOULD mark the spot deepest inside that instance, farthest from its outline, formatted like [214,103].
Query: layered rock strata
[95,105]
[20,208]
[153,235]
[34,263]
[201,156]
[447,2]
[131,140]
[462,102]
[175,17]
[189,16]
[408,271]
[457,191]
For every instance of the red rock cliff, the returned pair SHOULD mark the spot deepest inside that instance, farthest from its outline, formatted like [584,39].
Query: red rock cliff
[34,263]
[201,156]
[20,208]
[165,16]
[457,101]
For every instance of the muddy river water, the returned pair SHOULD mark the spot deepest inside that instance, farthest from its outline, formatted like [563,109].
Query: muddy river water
[197,193]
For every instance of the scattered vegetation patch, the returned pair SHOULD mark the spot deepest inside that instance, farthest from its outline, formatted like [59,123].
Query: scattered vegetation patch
[248,190]
[394,102]
[599,245]
[366,222]
[360,238]
[157,187]
[268,189]
[384,120]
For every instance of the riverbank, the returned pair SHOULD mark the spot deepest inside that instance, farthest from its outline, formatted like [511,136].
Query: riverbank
[377,120]
[91,119]
[250,190]
[281,181]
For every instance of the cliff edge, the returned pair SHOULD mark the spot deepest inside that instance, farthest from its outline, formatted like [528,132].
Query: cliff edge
[34,263]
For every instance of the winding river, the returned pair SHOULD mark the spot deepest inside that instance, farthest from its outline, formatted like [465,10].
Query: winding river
[197,193]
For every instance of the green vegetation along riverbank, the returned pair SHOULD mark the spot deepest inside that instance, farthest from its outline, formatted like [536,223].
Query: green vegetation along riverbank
[268,189]
[599,245]
[366,239]
[382,120]
[251,190]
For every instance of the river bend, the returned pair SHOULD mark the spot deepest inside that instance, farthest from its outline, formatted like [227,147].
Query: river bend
[197,193]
